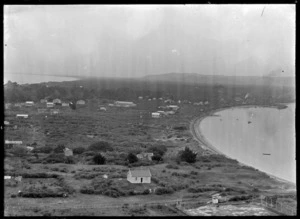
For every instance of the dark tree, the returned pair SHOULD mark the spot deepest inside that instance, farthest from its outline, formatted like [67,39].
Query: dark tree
[99,159]
[132,158]
[188,155]
[79,150]
[100,146]
[59,149]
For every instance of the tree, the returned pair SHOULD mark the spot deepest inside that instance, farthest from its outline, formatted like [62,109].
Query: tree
[59,149]
[158,150]
[78,150]
[157,157]
[188,155]
[132,158]
[99,159]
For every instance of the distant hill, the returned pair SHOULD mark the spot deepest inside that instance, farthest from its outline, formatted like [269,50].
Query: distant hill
[194,78]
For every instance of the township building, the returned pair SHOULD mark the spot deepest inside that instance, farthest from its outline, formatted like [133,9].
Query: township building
[139,175]
[22,116]
[124,104]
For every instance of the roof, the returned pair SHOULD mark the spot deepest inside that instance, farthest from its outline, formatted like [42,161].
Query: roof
[140,172]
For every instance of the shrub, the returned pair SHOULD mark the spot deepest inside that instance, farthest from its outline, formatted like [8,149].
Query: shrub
[19,151]
[100,146]
[55,158]
[79,150]
[99,159]
[86,190]
[158,150]
[188,155]
[69,160]
[132,158]
[162,190]
[171,166]
[45,149]
[157,157]
[59,149]
[180,128]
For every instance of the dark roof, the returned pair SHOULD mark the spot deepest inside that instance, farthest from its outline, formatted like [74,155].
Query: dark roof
[140,172]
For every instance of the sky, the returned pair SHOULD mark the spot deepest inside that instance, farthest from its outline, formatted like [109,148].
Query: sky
[139,40]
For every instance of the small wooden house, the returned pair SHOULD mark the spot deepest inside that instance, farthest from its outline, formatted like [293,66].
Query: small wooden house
[139,175]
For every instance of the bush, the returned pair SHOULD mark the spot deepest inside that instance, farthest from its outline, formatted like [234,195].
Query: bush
[19,151]
[99,159]
[157,157]
[180,128]
[100,146]
[162,190]
[158,150]
[79,150]
[132,158]
[188,155]
[59,149]
[171,166]
[69,160]
[55,158]
[86,190]
[45,149]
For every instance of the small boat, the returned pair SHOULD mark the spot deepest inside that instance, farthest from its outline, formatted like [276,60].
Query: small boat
[266,154]
[249,122]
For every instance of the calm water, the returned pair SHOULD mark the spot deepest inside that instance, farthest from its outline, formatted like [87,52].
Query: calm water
[31,79]
[270,131]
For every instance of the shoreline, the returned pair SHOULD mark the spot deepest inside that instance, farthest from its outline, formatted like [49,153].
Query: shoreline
[207,146]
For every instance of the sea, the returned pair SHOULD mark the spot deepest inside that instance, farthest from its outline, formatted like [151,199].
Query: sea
[261,137]
[33,78]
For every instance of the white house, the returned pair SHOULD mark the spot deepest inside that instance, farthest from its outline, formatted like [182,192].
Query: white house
[50,104]
[65,104]
[29,148]
[206,102]
[80,102]
[173,107]
[68,152]
[155,115]
[22,115]
[154,98]
[29,103]
[102,109]
[124,104]
[139,175]
[6,123]
[18,105]
[147,156]
[140,97]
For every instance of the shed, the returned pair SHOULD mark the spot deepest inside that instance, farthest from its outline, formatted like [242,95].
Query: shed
[56,101]
[139,175]
[145,156]
[68,152]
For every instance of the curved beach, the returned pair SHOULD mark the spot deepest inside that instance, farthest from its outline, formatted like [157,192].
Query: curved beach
[205,143]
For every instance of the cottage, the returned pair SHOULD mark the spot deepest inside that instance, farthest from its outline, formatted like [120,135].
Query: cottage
[155,115]
[43,101]
[217,198]
[80,102]
[6,123]
[110,104]
[7,105]
[22,116]
[179,101]
[160,98]
[50,104]
[65,104]
[102,109]
[140,97]
[29,148]
[57,101]
[237,99]
[154,98]
[162,112]
[206,102]
[42,110]
[68,152]
[29,103]
[147,156]
[139,175]
[170,112]
[124,104]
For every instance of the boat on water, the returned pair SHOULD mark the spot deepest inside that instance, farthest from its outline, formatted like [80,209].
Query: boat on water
[249,122]
[266,154]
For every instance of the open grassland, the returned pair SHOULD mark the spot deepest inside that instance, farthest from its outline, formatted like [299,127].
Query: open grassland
[53,187]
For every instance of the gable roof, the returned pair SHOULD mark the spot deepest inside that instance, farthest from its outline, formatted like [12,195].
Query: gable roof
[140,172]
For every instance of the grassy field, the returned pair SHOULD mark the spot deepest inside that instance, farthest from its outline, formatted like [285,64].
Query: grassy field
[125,129]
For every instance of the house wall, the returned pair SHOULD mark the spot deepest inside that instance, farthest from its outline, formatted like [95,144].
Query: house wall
[138,179]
